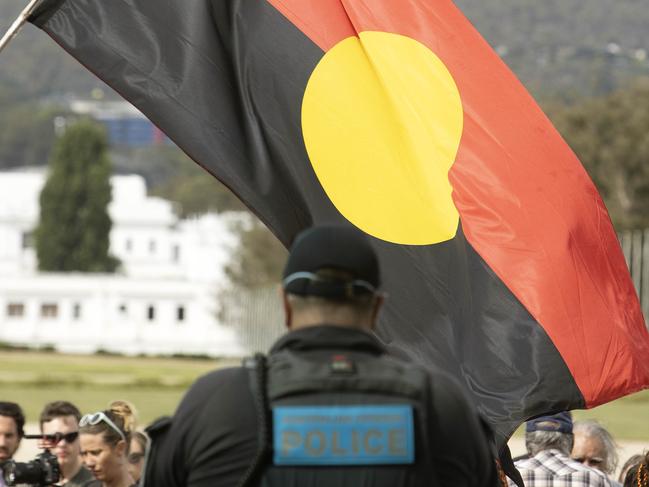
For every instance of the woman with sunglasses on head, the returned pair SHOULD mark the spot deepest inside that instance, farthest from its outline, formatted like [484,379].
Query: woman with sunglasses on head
[105,440]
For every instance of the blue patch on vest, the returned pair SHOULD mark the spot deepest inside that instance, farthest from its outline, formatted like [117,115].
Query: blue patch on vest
[343,435]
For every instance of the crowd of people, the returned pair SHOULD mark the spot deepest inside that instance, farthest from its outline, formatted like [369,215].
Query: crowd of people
[580,453]
[105,448]
[328,406]
[100,449]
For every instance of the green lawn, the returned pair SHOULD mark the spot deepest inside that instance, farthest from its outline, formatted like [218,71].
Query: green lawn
[626,418]
[155,385]
[150,403]
[51,368]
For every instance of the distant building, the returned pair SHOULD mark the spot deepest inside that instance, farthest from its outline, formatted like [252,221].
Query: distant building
[162,302]
[125,125]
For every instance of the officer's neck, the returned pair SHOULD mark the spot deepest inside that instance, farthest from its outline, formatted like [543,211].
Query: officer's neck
[303,324]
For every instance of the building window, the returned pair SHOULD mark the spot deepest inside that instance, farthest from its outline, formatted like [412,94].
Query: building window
[15,310]
[175,253]
[152,246]
[150,313]
[128,245]
[49,310]
[76,311]
[28,240]
[180,313]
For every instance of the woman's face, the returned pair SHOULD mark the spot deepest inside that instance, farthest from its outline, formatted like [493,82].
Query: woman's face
[135,460]
[103,460]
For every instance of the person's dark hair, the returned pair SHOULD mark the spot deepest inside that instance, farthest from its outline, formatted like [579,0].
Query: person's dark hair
[14,411]
[56,409]
[631,462]
[638,475]
[123,415]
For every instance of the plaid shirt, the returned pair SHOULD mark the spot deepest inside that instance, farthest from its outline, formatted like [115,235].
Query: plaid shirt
[551,468]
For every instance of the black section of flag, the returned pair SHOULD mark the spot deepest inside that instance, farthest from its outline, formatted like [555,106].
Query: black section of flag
[225,81]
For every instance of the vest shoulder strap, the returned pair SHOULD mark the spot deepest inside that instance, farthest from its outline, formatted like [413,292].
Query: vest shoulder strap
[257,379]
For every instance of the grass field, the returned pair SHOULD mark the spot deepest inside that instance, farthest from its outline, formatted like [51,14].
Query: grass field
[153,385]
[156,385]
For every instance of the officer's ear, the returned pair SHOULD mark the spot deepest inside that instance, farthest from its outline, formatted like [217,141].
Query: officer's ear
[376,308]
[288,312]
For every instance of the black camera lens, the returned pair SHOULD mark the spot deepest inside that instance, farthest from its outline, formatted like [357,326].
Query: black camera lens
[42,471]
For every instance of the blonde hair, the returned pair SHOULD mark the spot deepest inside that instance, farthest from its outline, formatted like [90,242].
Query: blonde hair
[126,411]
[123,415]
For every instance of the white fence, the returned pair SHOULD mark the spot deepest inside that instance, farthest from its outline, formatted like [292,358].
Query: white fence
[257,317]
[635,245]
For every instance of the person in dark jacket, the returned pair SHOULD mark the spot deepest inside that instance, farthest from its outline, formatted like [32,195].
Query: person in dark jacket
[328,406]
[59,423]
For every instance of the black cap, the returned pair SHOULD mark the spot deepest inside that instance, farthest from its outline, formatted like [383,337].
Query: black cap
[560,422]
[331,247]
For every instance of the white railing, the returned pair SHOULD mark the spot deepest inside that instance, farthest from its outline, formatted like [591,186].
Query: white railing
[635,245]
[256,315]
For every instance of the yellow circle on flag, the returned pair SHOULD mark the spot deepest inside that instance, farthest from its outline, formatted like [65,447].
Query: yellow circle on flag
[382,121]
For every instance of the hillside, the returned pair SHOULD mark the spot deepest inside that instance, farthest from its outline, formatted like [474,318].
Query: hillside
[33,66]
[567,48]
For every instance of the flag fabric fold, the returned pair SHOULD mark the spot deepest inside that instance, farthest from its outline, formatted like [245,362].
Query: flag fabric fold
[499,258]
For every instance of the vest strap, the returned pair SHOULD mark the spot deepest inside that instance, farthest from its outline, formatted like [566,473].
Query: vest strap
[257,377]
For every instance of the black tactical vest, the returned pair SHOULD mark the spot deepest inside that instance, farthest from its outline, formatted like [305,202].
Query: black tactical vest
[340,418]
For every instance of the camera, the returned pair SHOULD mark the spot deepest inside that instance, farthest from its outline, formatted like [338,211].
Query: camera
[41,471]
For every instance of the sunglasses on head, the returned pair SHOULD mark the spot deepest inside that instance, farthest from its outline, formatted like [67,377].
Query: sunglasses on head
[96,418]
[55,438]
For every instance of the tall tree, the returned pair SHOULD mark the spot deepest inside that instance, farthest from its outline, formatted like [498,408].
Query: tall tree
[259,259]
[609,134]
[73,232]
[26,133]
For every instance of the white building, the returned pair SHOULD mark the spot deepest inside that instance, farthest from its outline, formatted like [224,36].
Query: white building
[162,302]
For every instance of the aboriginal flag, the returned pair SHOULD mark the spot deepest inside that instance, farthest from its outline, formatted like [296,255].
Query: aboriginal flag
[395,116]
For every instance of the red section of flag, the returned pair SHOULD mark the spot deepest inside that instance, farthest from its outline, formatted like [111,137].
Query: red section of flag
[526,204]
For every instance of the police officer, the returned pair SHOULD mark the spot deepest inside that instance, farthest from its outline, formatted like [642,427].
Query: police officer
[328,406]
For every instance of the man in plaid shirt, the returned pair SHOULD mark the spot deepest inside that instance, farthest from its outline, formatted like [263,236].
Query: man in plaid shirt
[549,441]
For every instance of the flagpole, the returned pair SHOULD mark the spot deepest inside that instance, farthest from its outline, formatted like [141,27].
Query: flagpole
[17,25]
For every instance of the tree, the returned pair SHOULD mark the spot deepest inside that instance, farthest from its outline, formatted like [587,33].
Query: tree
[259,259]
[26,134]
[74,228]
[609,134]
[192,188]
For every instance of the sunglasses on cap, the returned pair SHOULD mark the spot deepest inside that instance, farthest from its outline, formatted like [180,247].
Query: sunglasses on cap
[55,438]
[96,418]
